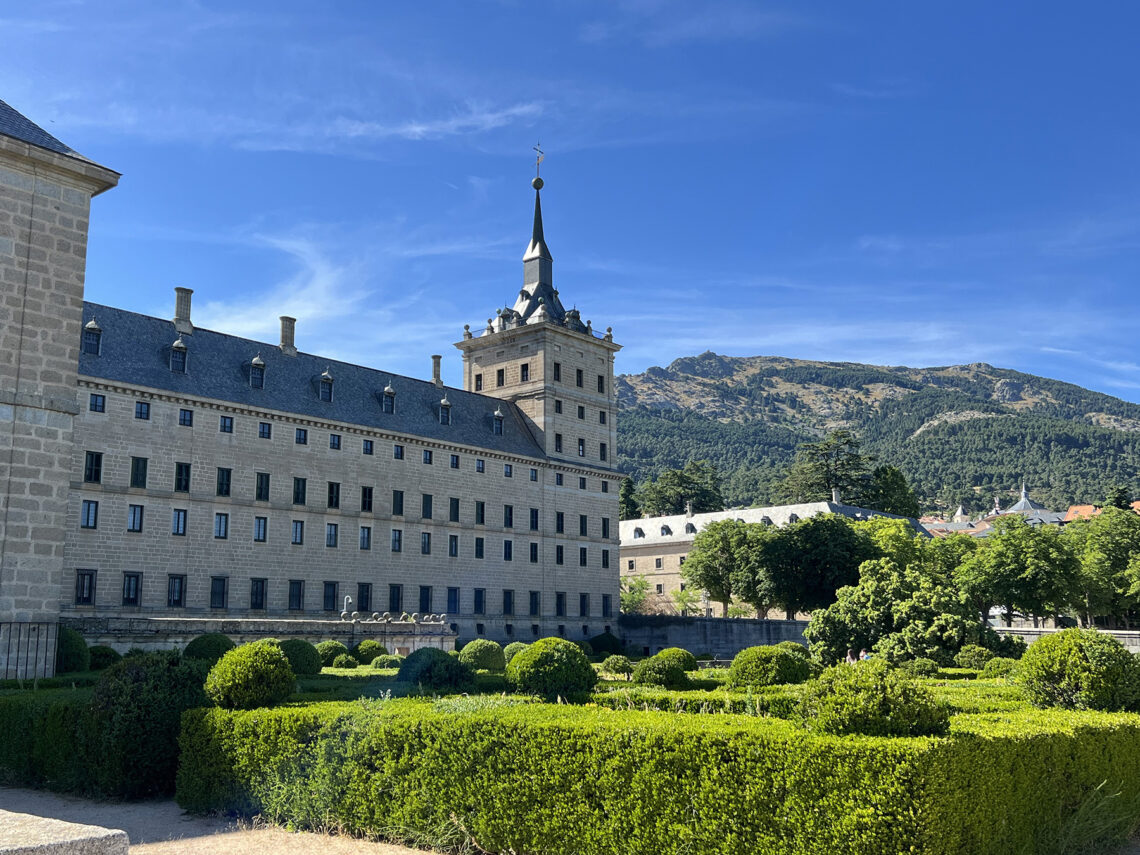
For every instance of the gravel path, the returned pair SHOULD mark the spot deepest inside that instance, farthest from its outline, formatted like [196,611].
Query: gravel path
[162,828]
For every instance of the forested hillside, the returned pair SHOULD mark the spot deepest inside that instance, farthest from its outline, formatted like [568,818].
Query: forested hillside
[961,433]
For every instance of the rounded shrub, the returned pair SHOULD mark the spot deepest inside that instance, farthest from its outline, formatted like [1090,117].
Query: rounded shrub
[512,649]
[617,666]
[251,676]
[1080,669]
[872,699]
[434,669]
[754,667]
[136,714]
[209,647]
[682,657]
[368,650]
[387,660]
[330,650]
[71,653]
[794,648]
[482,654]
[661,670]
[345,660]
[586,648]
[973,656]
[920,667]
[103,657]
[552,668]
[302,655]
[999,666]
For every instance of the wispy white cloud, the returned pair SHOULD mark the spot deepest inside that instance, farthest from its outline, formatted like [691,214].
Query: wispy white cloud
[663,24]
[880,91]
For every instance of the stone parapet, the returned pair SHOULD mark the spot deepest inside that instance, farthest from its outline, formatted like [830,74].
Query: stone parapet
[26,834]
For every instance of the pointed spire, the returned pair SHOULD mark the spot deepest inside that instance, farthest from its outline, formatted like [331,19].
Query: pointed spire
[537,247]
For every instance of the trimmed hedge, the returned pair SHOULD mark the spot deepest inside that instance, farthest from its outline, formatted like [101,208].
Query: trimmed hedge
[661,670]
[387,660]
[512,649]
[103,657]
[71,653]
[920,667]
[658,782]
[552,668]
[872,699]
[345,660]
[973,656]
[368,650]
[303,656]
[436,670]
[329,651]
[999,666]
[482,654]
[250,676]
[209,647]
[1080,669]
[767,666]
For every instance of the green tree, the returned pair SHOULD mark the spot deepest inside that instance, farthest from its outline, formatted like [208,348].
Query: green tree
[833,463]
[628,508]
[697,485]
[634,594]
[714,557]
[1107,548]
[1118,496]
[887,490]
[686,600]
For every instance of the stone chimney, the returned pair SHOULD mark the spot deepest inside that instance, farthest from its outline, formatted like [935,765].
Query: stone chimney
[288,326]
[435,374]
[835,496]
[182,311]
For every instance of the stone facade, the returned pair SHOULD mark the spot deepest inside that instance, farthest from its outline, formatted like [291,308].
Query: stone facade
[45,196]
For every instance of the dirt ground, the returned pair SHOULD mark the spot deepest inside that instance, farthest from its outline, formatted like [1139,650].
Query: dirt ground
[161,828]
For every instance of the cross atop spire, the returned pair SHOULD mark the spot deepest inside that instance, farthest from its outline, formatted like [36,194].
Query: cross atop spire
[539,155]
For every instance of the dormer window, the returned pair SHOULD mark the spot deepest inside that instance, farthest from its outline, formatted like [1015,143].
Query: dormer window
[638,533]
[793,518]
[178,356]
[765,520]
[257,373]
[497,424]
[388,400]
[666,531]
[326,392]
[445,411]
[690,528]
[92,337]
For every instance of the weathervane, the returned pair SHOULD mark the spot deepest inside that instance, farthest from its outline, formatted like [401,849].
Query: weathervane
[539,155]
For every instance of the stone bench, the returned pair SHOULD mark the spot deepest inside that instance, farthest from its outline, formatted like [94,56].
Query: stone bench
[24,834]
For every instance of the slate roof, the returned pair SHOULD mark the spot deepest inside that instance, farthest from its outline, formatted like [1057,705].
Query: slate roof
[19,126]
[136,349]
[659,531]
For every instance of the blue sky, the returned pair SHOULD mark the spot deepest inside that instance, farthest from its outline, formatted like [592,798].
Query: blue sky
[895,183]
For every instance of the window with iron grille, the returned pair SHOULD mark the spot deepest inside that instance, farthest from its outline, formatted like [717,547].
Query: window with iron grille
[84,587]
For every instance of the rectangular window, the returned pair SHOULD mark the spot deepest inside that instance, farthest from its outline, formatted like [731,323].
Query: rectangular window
[480,466]
[425,506]
[396,599]
[97,403]
[142,410]
[296,595]
[89,515]
[453,546]
[334,441]
[397,540]
[631,563]
[301,436]
[397,503]
[480,513]
[508,602]
[557,372]
[578,378]
[260,529]
[583,605]
[218,588]
[300,488]
[397,452]
[453,601]
[508,470]
[535,603]
[366,448]
[601,417]
[500,377]
[84,587]
[91,340]
[508,550]
[582,556]
[330,597]
[581,448]
[534,519]
[225,476]
[427,457]
[657,563]
[605,528]
[298,538]
[601,384]
[261,487]
[607,605]
[425,543]
[444,415]
[605,486]
[334,494]
[225,424]
[603,452]
[557,407]
[364,597]
[425,599]
[478,547]
[257,594]
[581,483]
[478,382]
[388,403]
[559,554]
[178,522]
[138,472]
[557,479]
[453,509]
[508,516]
[132,584]
[93,467]
[134,518]
[534,553]
[181,477]
[257,376]
[581,412]
[533,474]
[583,525]
[366,537]
[221,526]
[264,430]
[558,442]
[178,361]
[524,372]
[560,604]
[332,535]
[176,591]
[326,391]
[454,461]
[559,522]
[480,601]
[366,500]
[605,559]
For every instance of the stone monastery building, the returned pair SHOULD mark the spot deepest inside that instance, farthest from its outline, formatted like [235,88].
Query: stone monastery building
[151,468]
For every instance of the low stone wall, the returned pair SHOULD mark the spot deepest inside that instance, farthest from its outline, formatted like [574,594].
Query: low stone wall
[1130,639]
[722,637]
[24,833]
[155,633]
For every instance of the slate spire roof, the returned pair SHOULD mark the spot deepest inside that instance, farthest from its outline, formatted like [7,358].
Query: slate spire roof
[537,247]
[18,126]
[1025,503]
[538,294]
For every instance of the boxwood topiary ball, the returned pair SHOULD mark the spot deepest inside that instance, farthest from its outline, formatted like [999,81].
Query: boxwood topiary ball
[755,667]
[513,649]
[329,651]
[103,656]
[345,661]
[253,675]
[302,655]
[872,699]
[434,669]
[71,653]
[552,668]
[682,657]
[1080,669]
[661,670]
[482,654]
[209,647]
[368,650]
